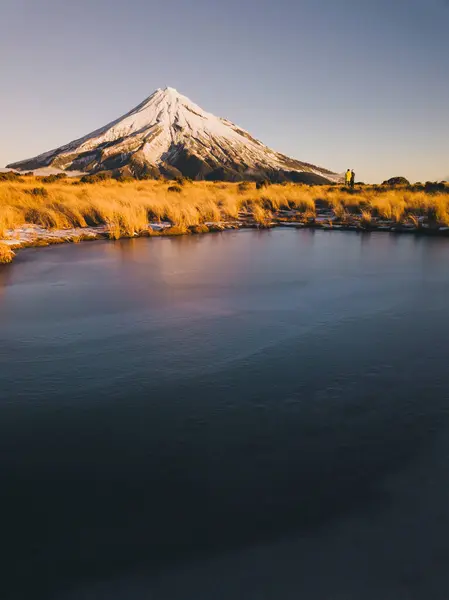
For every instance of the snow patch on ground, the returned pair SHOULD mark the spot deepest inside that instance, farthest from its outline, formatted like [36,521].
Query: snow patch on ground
[29,234]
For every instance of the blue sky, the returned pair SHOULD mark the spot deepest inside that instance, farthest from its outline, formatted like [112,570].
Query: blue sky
[345,83]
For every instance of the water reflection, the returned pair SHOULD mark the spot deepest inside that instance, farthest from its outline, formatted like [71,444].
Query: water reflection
[5,275]
[164,400]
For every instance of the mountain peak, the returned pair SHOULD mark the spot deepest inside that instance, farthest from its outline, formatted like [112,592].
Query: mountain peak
[167,134]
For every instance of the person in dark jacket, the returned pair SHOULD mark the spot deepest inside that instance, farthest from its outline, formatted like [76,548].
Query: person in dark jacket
[352,180]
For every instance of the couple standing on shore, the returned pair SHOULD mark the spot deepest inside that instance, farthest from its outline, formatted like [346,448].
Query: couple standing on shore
[350,178]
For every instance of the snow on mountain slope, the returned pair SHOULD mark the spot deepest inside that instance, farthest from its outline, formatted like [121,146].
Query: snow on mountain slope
[169,135]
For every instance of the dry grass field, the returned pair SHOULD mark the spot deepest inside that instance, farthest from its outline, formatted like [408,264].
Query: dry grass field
[126,207]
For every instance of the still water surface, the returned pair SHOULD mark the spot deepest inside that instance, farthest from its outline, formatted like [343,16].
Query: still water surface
[250,415]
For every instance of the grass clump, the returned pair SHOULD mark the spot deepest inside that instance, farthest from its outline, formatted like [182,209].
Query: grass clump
[262,216]
[177,230]
[6,254]
[38,191]
[244,186]
[53,178]
[96,177]
[11,176]
[199,229]
[366,219]
[262,184]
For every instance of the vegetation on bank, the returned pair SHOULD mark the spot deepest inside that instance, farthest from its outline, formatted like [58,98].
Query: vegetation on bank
[126,207]
[6,254]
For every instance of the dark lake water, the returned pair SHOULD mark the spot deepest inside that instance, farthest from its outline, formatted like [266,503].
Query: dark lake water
[246,416]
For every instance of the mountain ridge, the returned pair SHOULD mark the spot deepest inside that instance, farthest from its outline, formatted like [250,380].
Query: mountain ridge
[169,135]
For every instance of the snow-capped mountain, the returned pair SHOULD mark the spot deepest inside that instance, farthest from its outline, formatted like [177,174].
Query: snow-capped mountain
[169,135]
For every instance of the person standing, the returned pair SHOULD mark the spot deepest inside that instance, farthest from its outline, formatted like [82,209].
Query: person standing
[348,177]
[352,179]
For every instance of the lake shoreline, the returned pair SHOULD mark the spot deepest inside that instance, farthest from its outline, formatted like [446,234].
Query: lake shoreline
[32,236]
[36,211]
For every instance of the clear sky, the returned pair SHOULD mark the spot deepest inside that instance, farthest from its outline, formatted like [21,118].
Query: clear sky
[339,83]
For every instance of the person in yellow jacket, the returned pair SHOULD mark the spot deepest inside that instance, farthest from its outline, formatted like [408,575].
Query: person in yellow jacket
[348,176]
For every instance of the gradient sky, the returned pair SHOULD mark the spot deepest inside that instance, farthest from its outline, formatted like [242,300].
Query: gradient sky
[339,83]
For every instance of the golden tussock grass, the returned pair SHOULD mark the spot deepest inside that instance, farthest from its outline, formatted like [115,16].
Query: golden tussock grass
[261,215]
[127,207]
[6,254]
